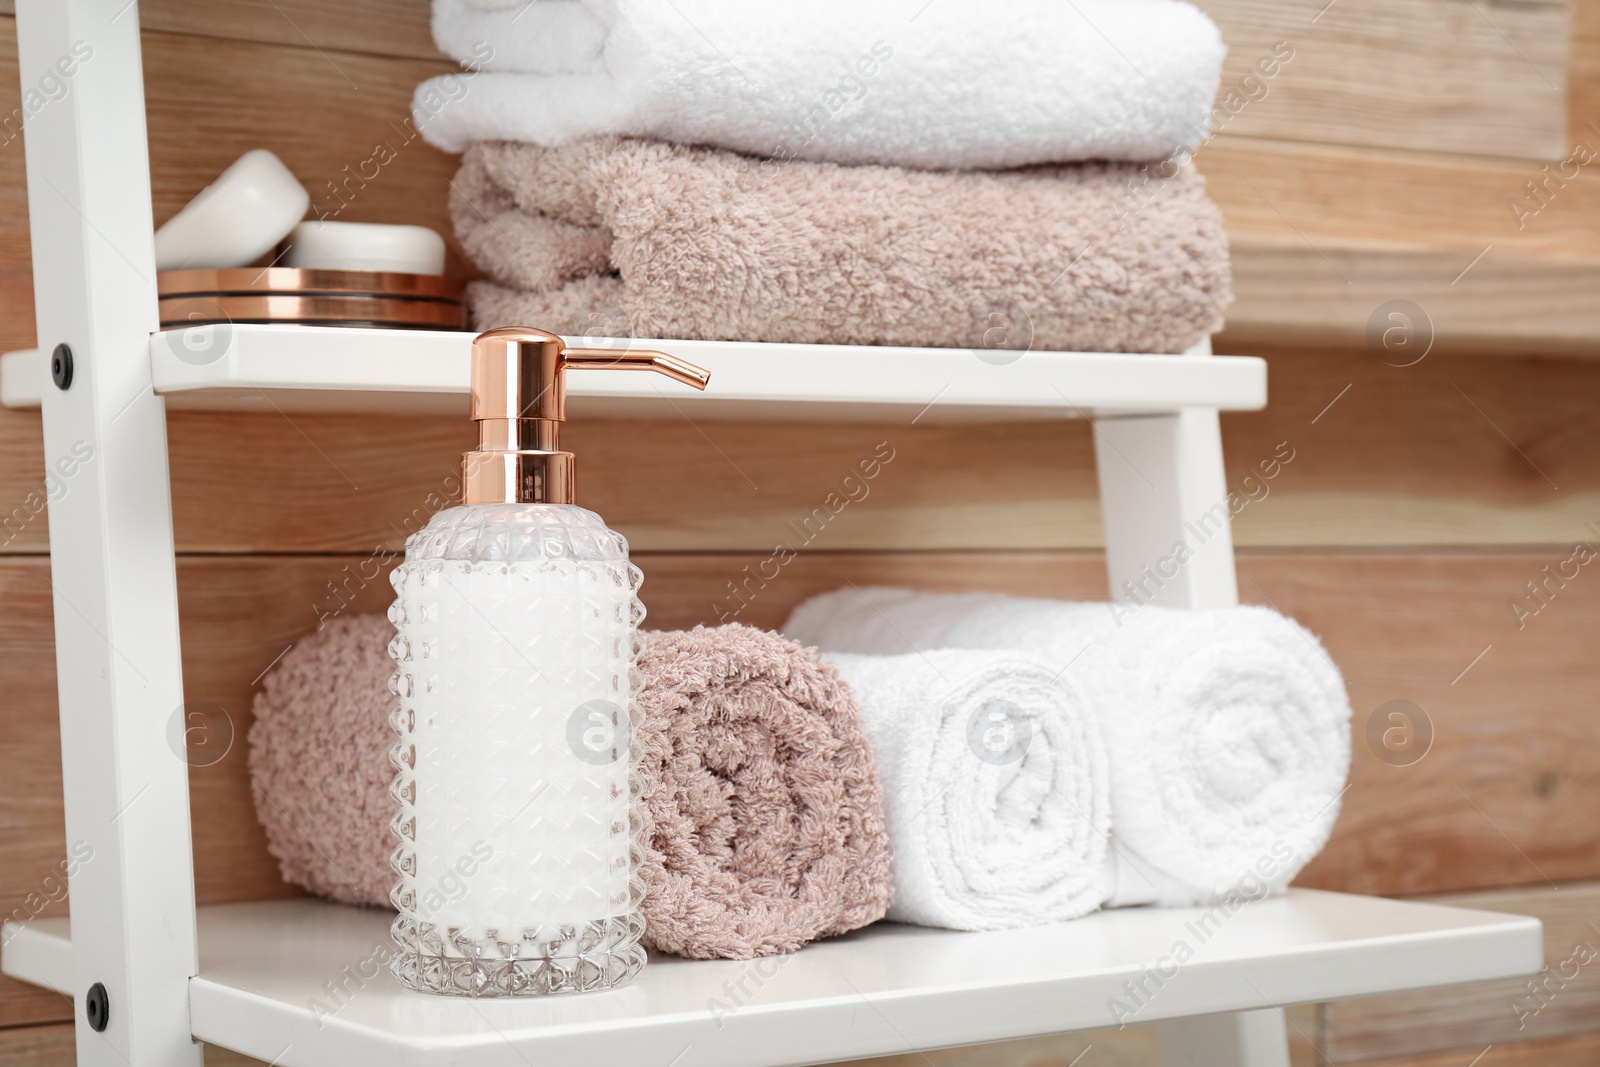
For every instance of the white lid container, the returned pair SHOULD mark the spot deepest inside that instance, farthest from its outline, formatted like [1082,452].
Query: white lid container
[365,246]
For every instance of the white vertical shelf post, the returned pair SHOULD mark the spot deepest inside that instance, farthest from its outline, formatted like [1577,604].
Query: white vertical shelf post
[1169,541]
[111,547]
[1164,502]
[1231,1039]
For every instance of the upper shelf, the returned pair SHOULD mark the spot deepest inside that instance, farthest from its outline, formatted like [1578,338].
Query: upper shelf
[336,369]
[303,983]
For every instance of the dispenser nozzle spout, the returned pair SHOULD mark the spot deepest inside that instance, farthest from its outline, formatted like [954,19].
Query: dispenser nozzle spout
[519,400]
[680,370]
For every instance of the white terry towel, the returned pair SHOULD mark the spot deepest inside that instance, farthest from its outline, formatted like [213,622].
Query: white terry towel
[995,785]
[1228,730]
[528,36]
[955,84]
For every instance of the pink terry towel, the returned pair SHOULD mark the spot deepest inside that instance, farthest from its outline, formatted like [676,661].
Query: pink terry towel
[621,237]
[768,827]
[319,761]
[767,820]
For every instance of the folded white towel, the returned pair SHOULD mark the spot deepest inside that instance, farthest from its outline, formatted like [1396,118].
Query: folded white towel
[962,84]
[530,36]
[1228,730]
[995,785]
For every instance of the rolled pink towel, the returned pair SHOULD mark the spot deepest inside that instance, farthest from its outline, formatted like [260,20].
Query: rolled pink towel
[767,826]
[767,818]
[319,761]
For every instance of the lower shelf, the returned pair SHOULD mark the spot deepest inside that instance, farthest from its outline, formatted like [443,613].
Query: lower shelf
[301,983]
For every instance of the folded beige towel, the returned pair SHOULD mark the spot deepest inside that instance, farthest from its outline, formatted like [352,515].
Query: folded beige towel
[614,237]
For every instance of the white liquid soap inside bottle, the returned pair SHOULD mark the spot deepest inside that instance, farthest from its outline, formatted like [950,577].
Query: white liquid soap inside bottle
[517,618]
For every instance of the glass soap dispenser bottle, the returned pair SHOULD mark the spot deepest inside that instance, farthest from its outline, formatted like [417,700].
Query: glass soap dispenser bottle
[517,620]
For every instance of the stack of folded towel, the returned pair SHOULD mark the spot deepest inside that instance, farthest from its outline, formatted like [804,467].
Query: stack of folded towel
[1004,173]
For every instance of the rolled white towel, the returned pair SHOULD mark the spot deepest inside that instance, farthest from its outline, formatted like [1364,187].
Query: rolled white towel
[1228,730]
[960,84]
[995,784]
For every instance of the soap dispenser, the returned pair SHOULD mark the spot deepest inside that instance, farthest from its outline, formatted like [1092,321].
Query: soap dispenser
[517,615]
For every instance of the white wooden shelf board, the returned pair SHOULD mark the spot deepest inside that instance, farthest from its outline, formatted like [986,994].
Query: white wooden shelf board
[333,369]
[265,968]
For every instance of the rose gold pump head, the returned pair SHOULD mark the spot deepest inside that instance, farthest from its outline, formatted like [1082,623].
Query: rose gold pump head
[519,401]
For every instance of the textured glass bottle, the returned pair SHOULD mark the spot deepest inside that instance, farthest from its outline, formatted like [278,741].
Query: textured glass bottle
[520,832]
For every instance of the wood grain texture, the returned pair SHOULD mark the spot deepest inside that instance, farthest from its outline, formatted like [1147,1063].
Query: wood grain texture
[1296,290]
[37,1046]
[1563,1000]
[1452,76]
[1321,236]
[393,28]
[1404,200]
[325,110]
[32,830]
[1441,76]
[1502,798]
[225,648]
[387,28]
[324,113]
[1452,453]
[1582,1050]
[1583,65]
[1402,457]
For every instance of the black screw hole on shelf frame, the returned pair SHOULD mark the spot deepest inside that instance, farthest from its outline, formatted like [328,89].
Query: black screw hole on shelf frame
[97,1006]
[61,366]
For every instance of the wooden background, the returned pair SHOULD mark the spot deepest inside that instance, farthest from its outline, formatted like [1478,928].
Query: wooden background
[1380,165]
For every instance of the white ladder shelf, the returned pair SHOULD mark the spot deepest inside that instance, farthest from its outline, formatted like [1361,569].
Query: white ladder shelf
[248,977]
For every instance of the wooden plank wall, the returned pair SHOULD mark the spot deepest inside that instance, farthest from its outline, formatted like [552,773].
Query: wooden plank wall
[1376,165]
